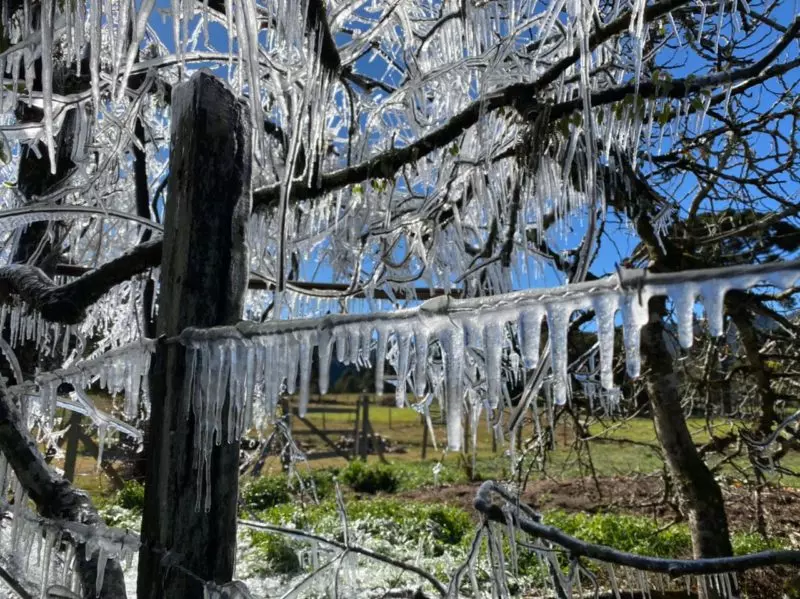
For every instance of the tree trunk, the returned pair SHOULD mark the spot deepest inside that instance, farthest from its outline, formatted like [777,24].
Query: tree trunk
[203,281]
[698,491]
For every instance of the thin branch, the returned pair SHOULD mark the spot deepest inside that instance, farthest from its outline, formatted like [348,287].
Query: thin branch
[578,548]
[67,303]
[55,498]
[293,532]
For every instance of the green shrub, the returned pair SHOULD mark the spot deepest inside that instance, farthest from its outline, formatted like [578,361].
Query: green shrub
[267,492]
[372,478]
[451,524]
[323,481]
[635,534]
[750,542]
[274,554]
[131,496]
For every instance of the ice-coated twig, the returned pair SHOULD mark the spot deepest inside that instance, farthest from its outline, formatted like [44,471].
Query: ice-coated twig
[578,548]
[293,532]
[66,508]
[12,583]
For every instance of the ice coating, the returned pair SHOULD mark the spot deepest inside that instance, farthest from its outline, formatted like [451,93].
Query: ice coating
[493,346]
[471,335]
[530,327]
[605,307]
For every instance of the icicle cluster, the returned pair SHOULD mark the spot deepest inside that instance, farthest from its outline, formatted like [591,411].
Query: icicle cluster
[43,550]
[123,370]
[440,345]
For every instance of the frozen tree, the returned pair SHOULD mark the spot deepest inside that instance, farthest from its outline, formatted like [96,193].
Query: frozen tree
[466,153]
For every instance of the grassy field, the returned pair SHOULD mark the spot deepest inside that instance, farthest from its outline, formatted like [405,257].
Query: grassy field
[616,448]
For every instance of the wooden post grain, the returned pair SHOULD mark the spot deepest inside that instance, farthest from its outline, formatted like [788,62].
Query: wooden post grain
[203,280]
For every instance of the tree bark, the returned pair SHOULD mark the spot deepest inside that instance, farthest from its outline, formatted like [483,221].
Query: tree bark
[203,281]
[699,494]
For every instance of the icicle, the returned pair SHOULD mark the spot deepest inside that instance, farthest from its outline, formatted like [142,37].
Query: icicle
[493,346]
[101,568]
[452,342]
[403,348]
[634,317]
[324,347]
[101,443]
[354,345]
[46,559]
[340,340]
[138,34]
[305,372]
[421,365]
[557,327]
[293,357]
[48,10]
[605,307]
[713,293]
[380,359]
[95,46]
[683,297]
[530,327]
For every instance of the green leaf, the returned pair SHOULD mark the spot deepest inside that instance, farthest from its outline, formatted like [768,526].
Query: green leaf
[454,150]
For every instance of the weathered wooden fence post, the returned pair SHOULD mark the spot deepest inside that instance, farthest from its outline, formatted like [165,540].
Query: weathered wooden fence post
[203,280]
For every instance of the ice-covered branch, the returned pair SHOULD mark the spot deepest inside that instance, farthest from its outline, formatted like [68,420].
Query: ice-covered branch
[14,584]
[119,370]
[681,88]
[523,96]
[25,215]
[67,303]
[57,499]
[308,536]
[577,548]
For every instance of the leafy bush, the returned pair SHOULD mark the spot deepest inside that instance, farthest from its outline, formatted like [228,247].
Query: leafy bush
[635,534]
[750,542]
[451,524]
[267,492]
[131,496]
[274,554]
[323,481]
[372,478]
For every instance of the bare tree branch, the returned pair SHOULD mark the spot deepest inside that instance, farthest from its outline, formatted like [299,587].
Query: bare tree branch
[578,548]
[55,498]
[67,303]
